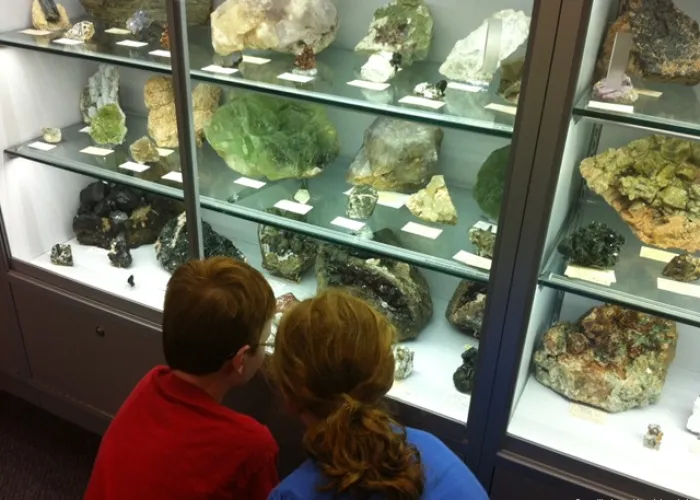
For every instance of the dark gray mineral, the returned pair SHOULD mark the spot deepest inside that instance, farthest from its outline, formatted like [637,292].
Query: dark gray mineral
[683,267]
[119,253]
[50,10]
[465,311]
[394,288]
[594,245]
[172,249]
[61,255]
[465,375]
[286,253]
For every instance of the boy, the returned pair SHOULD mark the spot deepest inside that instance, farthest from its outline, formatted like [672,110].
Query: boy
[172,438]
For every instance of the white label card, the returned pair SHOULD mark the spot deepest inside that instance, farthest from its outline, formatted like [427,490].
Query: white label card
[486,226]
[68,41]
[41,146]
[134,167]
[587,413]
[391,199]
[92,150]
[364,84]
[599,276]
[293,206]
[677,287]
[173,176]
[502,108]
[36,32]
[292,77]
[160,53]
[85,130]
[649,93]
[118,31]
[421,101]
[165,152]
[464,87]
[471,259]
[656,254]
[255,60]
[354,225]
[421,230]
[251,183]
[132,43]
[611,106]
[213,68]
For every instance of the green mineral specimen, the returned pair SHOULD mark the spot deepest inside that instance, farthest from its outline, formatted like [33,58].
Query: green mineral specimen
[286,253]
[594,245]
[264,136]
[144,150]
[465,376]
[108,126]
[483,240]
[491,181]
[683,267]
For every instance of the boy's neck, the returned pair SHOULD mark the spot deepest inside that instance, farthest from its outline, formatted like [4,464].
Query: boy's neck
[213,384]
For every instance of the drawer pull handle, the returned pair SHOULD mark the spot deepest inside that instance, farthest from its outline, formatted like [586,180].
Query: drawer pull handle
[100,331]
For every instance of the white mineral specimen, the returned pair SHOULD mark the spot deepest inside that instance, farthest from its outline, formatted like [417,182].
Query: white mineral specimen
[466,59]
[281,25]
[102,89]
[693,424]
[433,203]
[403,362]
[378,68]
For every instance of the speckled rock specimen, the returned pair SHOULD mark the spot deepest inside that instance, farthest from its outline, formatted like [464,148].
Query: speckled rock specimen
[394,288]
[654,184]
[286,253]
[119,253]
[396,155]
[62,255]
[139,21]
[172,248]
[144,150]
[282,25]
[403,362]
[594,245]
[465,311]
[102,89]
[465,376]
[491,181]
[683,267]
[108,126]
[483,240]
[264,136]
[666,42]
[84,31]
[403,26]
[612,358]
[116,12]
[362,200]
[433,203]
[49,15]
[159,97]
[623,95]
[51,135]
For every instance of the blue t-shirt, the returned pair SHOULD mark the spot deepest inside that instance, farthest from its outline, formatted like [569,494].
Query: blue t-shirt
[446,476]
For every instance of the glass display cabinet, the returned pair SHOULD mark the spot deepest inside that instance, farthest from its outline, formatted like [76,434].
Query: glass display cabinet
[605,348]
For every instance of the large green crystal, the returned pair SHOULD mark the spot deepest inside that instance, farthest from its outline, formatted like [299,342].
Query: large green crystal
[109,125]
[263,136]
[594,245]
[491,181]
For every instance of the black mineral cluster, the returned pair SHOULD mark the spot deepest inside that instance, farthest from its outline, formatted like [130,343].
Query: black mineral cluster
[594,245]
[465,375]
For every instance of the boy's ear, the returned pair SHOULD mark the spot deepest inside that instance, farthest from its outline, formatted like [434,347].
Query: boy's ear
[238,361]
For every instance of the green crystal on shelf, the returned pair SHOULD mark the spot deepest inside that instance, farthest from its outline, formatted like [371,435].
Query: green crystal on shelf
[108,126]
[491,181]
[595,245]
[264,136]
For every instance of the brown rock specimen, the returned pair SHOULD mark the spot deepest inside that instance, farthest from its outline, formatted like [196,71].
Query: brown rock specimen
[40,22]
[654,184]
[465,310]
[683,267]
[159,97]
[165,38]
[612,358]
[666,42]
[306,60]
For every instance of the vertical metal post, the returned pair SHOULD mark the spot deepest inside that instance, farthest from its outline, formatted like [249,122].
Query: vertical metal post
[180,60]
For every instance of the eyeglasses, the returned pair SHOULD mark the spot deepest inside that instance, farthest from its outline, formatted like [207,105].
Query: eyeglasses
[265,345]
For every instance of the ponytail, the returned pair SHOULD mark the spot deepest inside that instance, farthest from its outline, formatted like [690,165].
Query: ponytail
[363,451]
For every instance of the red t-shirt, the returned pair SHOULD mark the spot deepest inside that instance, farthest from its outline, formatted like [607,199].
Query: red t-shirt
[170,440]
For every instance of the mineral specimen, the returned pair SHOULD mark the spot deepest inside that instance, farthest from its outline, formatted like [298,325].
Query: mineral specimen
[361,202]
[491,181]
[683,267]
[138,22]
[108,126]
[51,135]
[130,281]
[396,155]
[484,241]
[511,77]
[102,89]
[403,26]
[61,255]
[159,97]
[380,68]
[433,203]
[144,150]
[165,38]
[284,25]
[49,15]
[403,362]
[652,439]
[665,42]
[612,358]
[465,311]
[264,136]
[119,253]
[465,62]
[432,91]
[306,61]
[594,245]
[84,30]
[302,196]
[653,183]
[465,376]
[394,288]
[172,246]
[283,304]
[106,210]
[116,12]
[286,253]
[623,95]
[693,424]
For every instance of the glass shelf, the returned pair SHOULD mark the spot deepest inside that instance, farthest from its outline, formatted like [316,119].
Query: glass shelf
[675,111]
[636,284]
[217,187]
[336,67]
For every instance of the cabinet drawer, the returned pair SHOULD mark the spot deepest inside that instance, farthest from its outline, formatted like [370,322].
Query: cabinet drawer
[80,349]
[12,357]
